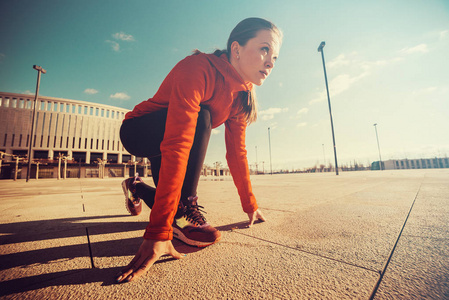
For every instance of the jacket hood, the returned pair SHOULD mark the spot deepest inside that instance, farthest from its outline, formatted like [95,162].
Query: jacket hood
[225,68]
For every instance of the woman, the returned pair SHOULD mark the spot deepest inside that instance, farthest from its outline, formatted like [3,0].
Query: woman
[173,128]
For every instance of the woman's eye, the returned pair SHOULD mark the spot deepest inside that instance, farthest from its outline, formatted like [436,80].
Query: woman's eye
[265,49]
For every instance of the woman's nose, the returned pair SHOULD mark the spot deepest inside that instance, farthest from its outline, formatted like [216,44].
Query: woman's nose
[269,63]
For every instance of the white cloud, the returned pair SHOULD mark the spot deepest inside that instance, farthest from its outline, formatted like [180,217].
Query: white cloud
[121,96]
[352,62]
[343,82]
[268,114]
[302,124]
[351,69]
[338,85]
[380,63]
[427,90]
[421,48]
[302,111]
[444,34]
[343,60]
[28,92]
[215,131]
[339,61]
[320,98]
[281,84]
[123,36]
[348,63]
[90,91]
[2,56]
[115,46]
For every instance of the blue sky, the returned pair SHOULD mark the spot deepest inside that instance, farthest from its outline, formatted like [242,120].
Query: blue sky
[387,63]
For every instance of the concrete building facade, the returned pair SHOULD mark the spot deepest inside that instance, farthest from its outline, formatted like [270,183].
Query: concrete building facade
[81,130]
[71,139]
[420,163]
[417,163]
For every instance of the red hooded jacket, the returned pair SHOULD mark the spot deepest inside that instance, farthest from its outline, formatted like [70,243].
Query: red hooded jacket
[199,79]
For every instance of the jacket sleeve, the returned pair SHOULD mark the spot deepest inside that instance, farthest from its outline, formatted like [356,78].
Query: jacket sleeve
[235,133]
[188,83]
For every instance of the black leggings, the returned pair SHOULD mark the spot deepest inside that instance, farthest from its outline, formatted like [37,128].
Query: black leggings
[142,137]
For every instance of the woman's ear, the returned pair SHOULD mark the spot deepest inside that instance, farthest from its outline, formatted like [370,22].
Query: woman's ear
[235,47]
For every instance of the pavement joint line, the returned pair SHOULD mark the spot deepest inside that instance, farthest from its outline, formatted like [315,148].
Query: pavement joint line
[311,253]
[81,190]
[281,210]
[379,281]
[87,233]
[90,249]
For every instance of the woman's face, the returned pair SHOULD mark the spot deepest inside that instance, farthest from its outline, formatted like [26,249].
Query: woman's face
[256,59]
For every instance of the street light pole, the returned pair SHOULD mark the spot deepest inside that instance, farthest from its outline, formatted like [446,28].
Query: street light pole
[269,143]
[39,71]
[378,148]
[257,167]
[324,157]
[320,49]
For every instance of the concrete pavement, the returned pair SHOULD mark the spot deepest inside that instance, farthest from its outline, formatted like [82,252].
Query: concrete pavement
[360,234]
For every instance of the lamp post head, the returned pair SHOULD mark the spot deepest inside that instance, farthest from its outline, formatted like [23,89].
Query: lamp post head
[375,124]
[39,69]
[320,48]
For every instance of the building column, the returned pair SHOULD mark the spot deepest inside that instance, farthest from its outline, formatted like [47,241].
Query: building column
[51,154]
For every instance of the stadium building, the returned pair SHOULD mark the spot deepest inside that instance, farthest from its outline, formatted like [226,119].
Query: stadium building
[83,135]
[419,163]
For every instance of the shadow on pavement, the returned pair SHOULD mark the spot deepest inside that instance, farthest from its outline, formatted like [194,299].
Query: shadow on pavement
[238,225]
[21,232]
[68,277]
[31,231]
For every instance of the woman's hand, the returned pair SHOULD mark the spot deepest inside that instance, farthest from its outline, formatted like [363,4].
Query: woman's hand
[149,252]
[257,215]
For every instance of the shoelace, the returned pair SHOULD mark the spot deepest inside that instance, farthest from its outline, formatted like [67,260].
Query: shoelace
[137,178]
[194,212]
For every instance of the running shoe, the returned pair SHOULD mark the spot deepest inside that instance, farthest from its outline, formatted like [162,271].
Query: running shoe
[190,225]
[132,201]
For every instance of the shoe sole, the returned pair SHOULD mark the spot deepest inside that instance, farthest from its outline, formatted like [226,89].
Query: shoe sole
[125,191]
[177,234]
